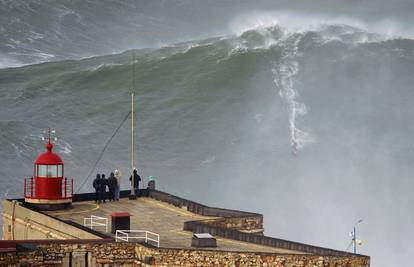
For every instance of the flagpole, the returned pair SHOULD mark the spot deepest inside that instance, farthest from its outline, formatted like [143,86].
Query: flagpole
[133,196]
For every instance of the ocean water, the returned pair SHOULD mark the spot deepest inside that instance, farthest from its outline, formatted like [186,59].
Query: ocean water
[313,128]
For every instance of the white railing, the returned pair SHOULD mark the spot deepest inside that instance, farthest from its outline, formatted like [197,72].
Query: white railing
[96,221]
[128,235]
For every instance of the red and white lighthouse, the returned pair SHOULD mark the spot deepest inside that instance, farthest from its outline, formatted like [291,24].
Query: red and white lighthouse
[48,188]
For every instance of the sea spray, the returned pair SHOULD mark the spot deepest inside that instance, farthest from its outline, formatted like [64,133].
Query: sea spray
[284,72]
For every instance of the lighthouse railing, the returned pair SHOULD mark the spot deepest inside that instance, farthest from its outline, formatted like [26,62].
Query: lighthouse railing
[31,186]
[33,190]
[28,189]
[67,188]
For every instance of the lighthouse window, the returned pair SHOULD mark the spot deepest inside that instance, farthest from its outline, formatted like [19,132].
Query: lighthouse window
[42,170]
[59,174]
[51,171]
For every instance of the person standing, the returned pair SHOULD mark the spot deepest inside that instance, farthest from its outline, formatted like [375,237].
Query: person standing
[118,176]
[112,184]
[151,183]
[136,180]
[103,184]
[97,186]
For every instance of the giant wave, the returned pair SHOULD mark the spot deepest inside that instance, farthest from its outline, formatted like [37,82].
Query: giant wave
[225,114]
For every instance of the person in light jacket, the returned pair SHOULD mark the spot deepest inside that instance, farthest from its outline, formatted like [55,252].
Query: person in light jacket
[118,176]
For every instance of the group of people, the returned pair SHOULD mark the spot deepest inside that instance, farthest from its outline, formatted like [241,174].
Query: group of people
[113,183]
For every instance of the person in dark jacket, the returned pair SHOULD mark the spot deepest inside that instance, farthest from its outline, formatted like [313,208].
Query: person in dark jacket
[137,179]
[112,184]
[97,186]
[103,184]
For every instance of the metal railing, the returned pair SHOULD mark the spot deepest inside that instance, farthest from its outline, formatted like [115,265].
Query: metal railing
[128,235]
[38,190]
[95,221]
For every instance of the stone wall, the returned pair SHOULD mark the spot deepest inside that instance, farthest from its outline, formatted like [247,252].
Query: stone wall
[91,253]
[21,223]
[248,224]
[230,219]
[221,258]
[133,254]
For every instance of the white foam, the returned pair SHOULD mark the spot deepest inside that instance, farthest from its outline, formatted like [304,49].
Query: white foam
[19,152]
[237,49]
[35,36]
[253,21]
[63,147]
[284,74]
[8,62]
[43,56]
[4,63]
[102,66]
[189,47]
[208,160]
[294,21]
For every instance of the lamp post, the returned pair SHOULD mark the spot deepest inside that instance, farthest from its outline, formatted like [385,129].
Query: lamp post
[354,240]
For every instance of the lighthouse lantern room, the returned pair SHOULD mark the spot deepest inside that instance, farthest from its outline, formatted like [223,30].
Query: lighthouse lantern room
[48,188]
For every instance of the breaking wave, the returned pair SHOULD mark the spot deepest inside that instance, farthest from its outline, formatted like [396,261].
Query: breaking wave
[227,112]
[285,70]
[187,73]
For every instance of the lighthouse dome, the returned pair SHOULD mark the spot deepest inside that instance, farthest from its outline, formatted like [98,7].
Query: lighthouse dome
[48,157]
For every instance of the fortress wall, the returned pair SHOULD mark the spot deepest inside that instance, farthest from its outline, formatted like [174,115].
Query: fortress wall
[133,254]
[251,224]
[181,257]
[230,219]
[21,223]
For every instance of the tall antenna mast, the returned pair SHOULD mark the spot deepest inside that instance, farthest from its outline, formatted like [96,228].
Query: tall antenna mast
[133,196]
